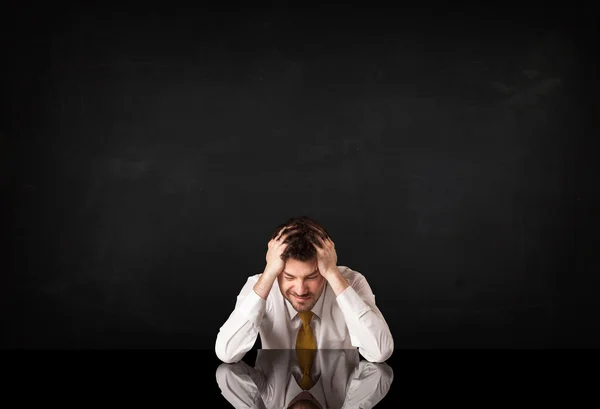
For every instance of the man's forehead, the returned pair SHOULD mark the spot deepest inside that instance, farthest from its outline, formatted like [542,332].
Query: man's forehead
[310,272]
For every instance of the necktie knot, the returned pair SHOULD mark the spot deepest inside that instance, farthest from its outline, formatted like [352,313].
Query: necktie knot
[306,316]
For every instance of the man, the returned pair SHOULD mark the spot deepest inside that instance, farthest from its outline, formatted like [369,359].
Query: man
[339,379]
[315,304]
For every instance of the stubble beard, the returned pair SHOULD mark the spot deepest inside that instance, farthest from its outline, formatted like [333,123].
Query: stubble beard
[307,306]
[303,307]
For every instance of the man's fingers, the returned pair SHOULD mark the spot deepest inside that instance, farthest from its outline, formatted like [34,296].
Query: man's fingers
[315,241]
[280,233]
[322,243]
[286,232]
[320,240]
[321,233]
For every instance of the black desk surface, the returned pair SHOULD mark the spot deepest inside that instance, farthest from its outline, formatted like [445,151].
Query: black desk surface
[169,378]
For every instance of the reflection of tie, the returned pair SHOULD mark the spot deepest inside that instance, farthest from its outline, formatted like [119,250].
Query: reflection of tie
[306,349]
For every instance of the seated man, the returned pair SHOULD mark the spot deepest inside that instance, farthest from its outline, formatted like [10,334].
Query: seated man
[333,379]
[315,304]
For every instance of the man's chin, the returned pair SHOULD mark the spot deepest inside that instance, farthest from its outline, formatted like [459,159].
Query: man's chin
[301,307]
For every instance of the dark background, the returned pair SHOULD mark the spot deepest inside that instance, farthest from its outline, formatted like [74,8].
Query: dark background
[148,153]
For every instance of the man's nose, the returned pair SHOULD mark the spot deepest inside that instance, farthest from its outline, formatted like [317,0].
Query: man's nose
[301,287]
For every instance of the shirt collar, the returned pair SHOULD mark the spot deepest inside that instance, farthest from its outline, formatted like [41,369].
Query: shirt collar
[317,309]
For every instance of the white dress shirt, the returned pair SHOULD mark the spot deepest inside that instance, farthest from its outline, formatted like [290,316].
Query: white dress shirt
[342,380]
[349,320]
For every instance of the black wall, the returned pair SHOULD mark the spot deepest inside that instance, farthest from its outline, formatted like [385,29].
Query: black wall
[147,155]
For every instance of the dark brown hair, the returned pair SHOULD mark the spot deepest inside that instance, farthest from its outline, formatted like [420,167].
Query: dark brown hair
[300,243]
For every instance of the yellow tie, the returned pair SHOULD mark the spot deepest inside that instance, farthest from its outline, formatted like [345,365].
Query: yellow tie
[306,349]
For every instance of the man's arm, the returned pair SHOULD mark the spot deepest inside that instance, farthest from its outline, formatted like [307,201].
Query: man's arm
[367,327]
[368,385]
[238,334]
[241,385]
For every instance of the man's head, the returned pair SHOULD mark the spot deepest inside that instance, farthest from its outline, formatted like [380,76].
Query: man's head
[301,283]
[304,404]
[304,401]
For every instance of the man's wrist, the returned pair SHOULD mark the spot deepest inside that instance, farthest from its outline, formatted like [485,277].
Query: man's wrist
[264,284]
[336,281]
[270,273]
[332,272]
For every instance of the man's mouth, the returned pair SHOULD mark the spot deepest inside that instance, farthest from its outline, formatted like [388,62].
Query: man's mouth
[302,298]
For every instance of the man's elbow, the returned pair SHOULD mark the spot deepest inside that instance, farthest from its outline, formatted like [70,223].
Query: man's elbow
[224,355]
[227,359]
[382,354]
[379,357]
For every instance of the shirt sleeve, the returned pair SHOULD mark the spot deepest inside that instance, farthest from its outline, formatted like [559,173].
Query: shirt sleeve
[368,385]
[239,385]
[368,328]
[239,332]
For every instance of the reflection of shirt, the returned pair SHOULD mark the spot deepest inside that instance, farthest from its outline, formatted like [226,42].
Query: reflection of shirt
[343,380]
[349,320]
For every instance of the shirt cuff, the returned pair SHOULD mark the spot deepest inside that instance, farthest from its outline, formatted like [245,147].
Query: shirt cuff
[253,308]
[351,303]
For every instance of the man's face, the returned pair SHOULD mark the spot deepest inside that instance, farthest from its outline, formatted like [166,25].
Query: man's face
[301,284]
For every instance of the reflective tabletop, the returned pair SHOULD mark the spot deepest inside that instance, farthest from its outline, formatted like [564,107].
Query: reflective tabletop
[322,379]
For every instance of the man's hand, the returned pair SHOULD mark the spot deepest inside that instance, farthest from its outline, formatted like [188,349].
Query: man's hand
[276,246]
[327,263]
[326,256]
[275,264]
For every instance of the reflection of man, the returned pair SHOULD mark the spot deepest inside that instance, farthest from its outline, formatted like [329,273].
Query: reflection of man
[304,300]
[333,379]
